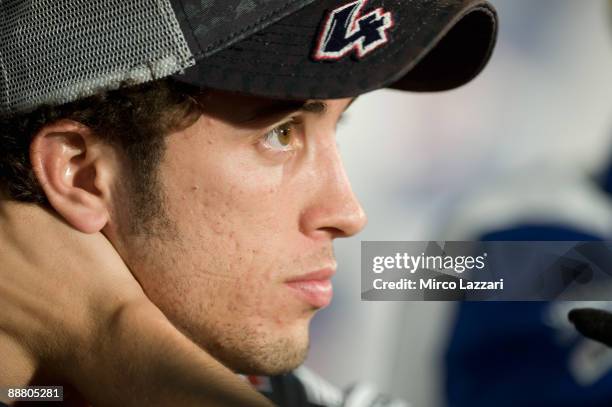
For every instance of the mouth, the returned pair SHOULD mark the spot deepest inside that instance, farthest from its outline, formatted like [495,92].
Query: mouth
[314,288]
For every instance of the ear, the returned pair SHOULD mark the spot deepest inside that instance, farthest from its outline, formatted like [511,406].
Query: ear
[76,170]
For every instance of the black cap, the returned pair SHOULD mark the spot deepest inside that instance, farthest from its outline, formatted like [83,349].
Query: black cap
[294,49]
[333,49]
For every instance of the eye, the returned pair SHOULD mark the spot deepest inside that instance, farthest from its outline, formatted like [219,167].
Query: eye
[280,138]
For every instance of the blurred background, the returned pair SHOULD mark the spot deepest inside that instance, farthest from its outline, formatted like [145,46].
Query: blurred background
[524,144]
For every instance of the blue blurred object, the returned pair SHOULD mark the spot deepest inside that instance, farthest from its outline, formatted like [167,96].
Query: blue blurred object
[527,354]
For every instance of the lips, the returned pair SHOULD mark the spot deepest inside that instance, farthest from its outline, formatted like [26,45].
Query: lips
[314,288]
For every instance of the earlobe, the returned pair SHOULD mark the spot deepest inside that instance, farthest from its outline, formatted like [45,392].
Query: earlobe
[68,162]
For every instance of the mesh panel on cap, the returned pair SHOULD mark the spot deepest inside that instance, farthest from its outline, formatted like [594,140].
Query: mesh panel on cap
[56,51]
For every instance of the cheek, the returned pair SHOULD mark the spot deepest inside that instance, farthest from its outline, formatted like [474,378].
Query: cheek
[223,185]
[222,204]
[235,225]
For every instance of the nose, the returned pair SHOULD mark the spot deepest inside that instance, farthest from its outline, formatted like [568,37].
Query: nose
[333,210]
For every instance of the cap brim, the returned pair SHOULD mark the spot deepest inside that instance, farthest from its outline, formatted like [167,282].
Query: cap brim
[432,45]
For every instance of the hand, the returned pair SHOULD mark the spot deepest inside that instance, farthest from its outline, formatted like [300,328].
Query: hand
[68,300]
[57,283]
[593,323]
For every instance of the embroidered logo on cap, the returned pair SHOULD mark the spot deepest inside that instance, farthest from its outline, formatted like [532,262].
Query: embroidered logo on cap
[346,30]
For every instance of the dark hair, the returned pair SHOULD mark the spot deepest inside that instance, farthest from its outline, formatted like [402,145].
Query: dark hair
[135,119]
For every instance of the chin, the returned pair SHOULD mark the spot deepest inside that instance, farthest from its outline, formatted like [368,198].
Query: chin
[262,354]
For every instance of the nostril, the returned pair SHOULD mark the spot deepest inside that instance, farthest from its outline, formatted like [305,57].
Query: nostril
[333,232]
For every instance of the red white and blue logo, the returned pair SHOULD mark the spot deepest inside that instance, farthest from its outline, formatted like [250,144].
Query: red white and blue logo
[347,31]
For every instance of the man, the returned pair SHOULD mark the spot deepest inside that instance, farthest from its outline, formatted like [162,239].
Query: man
[198,139]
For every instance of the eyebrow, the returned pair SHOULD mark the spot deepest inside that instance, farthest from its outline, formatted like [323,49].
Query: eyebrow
[317,106]
[286,107]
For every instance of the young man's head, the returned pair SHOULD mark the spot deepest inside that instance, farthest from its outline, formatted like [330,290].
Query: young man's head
[225,203]
[222,205]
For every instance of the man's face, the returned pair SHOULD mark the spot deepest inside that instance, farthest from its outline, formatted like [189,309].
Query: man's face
[255,192]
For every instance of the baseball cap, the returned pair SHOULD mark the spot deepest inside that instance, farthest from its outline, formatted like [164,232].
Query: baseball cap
[54,52]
